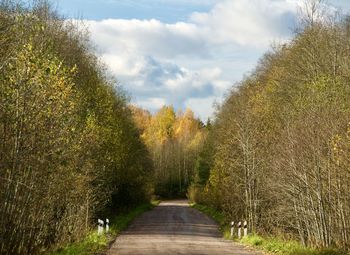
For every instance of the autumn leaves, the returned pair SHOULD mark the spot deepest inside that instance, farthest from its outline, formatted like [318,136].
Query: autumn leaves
[280,143]
[174,141]
[69,150]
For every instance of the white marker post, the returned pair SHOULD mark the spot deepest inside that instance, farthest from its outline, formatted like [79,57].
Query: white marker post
[100,227]
[107,225]
[232,228]
[239,230]
[245,228]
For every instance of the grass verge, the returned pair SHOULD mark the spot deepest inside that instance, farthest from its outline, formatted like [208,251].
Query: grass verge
[270,245]
[279,246]
[94,243]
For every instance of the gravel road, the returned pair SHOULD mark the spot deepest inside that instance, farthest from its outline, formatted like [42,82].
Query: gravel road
[174,228]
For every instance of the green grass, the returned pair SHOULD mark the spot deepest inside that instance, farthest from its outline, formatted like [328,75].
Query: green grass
[216,215]
[94,243]
[270,245]
[279,246]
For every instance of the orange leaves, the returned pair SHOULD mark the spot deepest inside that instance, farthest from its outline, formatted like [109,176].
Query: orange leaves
[174,141]
[165,125]
[186,126]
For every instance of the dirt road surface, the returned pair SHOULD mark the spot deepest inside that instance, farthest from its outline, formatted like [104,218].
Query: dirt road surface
[174,228]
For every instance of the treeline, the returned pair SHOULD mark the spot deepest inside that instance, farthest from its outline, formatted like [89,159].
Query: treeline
[174,141]
[69,150]
[278,153]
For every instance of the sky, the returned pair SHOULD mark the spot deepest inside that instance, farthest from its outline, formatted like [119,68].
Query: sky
[185,53]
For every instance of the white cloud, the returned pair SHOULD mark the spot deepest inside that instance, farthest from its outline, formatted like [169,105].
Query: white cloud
[124,65]
[203,107]
[172,2]
[147,37]
[247,22]
[152,103]
[191,2]
[174,84]
[191,63]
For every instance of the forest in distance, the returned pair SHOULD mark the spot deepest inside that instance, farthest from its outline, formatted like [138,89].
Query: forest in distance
[74,148]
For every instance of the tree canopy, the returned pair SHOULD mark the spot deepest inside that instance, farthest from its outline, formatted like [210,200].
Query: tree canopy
[69,151]
[279,154]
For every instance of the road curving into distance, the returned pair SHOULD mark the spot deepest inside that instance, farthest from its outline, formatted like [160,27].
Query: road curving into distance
[174,228]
